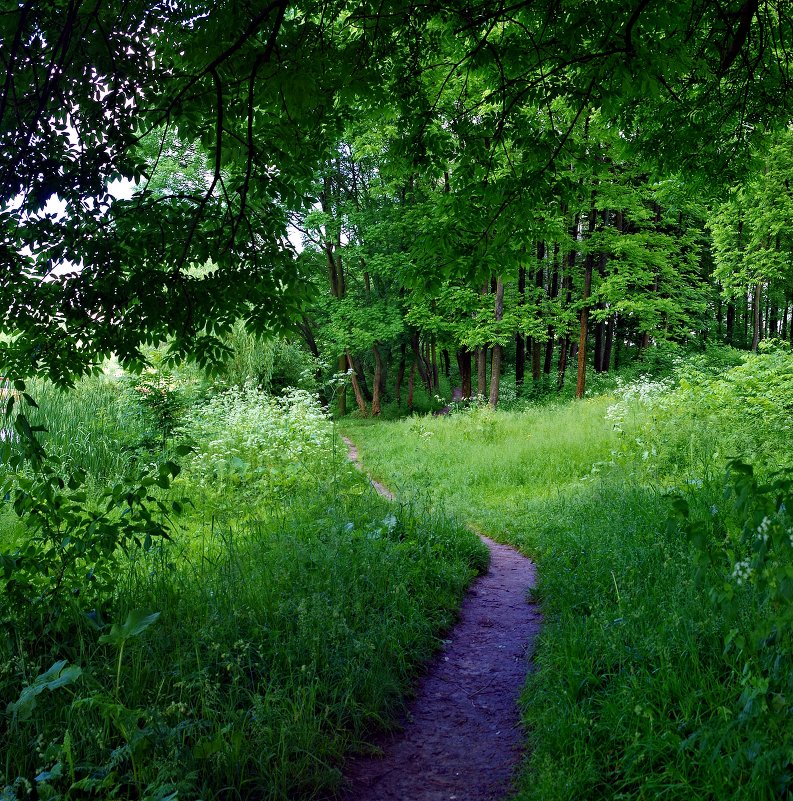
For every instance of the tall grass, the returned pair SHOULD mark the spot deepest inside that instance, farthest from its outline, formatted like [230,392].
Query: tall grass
[633,697]
[287,631]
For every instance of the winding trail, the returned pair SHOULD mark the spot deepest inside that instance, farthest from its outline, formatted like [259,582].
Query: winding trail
[462,739]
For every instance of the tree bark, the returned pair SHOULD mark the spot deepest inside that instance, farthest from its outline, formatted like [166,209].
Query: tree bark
[756,307]
[495,371]
[546,368]
[447,363]
[434,363]
[411,386]
[539,286]
[581,381]
[400,374]
[378,376]
[359,399]
[464,366]
[423,372]
[481,370]
[520,341]
[584,318]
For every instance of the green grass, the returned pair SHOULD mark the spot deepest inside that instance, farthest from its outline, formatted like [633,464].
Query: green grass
[633,697]
[489,468]
[291,626]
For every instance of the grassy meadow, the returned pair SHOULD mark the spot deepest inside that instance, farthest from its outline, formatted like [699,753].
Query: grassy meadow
[661,667]
[279,620]
[235,625]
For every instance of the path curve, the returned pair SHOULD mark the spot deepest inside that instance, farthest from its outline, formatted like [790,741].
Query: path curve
[462,739]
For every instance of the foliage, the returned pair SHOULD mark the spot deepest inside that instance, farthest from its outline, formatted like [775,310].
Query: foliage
[634,695]
[279,625]
[246,439]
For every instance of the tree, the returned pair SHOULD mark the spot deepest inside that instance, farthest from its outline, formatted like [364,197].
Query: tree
[92,92]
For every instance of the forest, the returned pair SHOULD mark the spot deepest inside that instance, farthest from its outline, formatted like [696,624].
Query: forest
[533,261]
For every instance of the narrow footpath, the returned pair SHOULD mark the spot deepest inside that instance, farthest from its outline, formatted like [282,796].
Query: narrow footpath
[461,739]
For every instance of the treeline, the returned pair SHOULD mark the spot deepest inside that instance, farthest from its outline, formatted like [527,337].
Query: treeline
[603,262]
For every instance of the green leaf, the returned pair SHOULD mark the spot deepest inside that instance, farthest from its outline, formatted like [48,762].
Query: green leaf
[58,675]
[136,623]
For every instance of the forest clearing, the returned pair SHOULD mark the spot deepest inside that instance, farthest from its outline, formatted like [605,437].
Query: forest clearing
[396,400]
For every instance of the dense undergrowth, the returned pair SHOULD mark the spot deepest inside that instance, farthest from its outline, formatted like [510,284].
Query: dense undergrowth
[277,621]
[658,517]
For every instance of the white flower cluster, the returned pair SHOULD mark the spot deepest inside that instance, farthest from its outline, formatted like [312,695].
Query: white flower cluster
[742,571]
[762,529]
[244,435]
[638,395]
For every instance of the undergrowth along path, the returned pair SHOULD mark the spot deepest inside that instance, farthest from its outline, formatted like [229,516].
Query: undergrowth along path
[461,739]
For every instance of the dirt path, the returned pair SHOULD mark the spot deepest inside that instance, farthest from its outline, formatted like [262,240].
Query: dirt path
[461,738]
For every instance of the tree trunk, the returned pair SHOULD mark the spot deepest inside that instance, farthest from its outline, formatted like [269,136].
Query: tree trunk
[464,366]
[584,318]
[378,376]
[359,399]
[447,363]
[400,374]
[539,285]
[495,371]
[425,378]
[546,368]
[360,374]
[411,386]
[756,307]
[481,370]
[520,341]
[581,381]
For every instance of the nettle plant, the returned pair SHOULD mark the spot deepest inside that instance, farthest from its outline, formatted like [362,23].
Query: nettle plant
[245,438]
[748,556]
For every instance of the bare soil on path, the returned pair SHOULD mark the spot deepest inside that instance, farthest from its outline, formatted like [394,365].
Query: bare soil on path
[461,739]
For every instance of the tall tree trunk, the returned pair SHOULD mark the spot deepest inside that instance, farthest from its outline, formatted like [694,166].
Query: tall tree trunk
[378,377]
[481,370]
[756,308]
[464,366]
[447,363]
[581,381]
[546,368]
[360,374]
[520,340]
[539,286]
[411,385]
[773,319]
[495,371]
[359,399]
[584,318]
[400,374]
[423,372]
